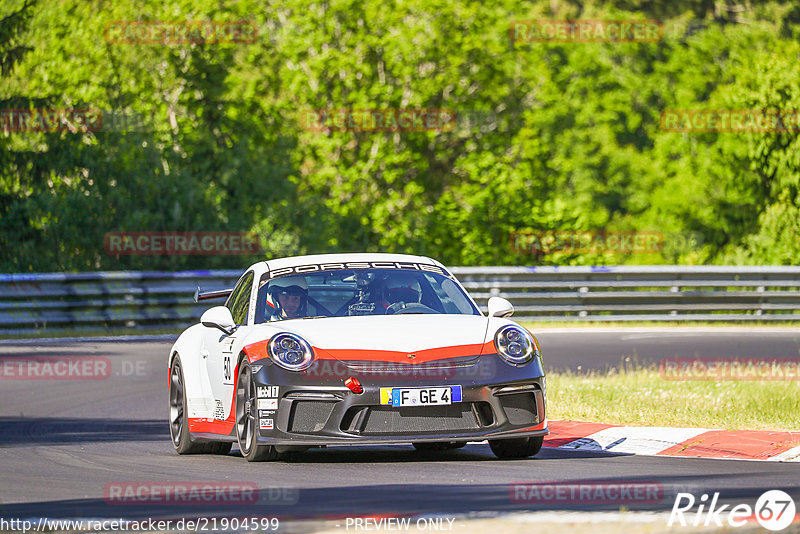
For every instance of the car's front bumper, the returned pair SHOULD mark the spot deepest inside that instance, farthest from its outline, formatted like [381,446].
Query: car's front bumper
[499,400]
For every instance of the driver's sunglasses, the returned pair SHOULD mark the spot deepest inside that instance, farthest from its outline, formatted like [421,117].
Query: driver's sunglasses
[405,294]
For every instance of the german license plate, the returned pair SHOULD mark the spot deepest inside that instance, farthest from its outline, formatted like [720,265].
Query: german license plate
[424,396]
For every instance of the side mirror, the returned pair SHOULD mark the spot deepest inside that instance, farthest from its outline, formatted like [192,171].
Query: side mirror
[218,317]
[500,307]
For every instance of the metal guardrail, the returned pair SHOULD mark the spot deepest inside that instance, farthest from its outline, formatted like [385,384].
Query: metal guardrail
[94,301]
[640,293]
[147,300]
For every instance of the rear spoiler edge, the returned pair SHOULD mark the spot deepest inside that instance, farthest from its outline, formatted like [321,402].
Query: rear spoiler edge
[207,295]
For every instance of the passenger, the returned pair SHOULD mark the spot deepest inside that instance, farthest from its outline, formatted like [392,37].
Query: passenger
[400,290]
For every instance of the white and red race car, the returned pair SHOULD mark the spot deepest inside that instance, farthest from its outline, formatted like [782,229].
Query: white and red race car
[344,349]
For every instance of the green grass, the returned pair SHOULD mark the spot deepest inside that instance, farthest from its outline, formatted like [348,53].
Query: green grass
[640,397]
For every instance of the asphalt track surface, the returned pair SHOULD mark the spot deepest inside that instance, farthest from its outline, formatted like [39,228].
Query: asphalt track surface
[63,442]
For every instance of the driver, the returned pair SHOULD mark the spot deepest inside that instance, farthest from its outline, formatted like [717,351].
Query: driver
[400,290]
[288,296]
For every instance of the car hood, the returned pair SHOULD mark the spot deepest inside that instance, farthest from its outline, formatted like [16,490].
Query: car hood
[409,339]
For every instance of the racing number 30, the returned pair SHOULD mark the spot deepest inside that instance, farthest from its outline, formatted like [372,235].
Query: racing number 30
[227,368]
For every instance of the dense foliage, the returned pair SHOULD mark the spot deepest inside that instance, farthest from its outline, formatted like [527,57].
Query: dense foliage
[549,137]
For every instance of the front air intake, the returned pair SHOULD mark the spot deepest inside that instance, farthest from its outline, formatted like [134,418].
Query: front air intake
[309,416]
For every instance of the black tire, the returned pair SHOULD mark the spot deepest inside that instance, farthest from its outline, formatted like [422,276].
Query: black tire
[178,416]
[439,446]
[246,428]
[516,448]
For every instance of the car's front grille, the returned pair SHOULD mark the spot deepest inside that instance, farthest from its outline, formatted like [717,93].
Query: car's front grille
[380,420]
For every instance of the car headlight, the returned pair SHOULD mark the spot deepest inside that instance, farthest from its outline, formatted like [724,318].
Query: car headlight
[290,352]
[514,344]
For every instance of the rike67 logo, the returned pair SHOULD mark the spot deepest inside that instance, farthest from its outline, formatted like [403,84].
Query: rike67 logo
[774,510]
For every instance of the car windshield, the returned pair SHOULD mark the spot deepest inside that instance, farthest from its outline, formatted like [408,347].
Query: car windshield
[350,292]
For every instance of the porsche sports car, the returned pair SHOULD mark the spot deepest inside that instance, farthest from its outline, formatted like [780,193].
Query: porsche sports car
[354,349]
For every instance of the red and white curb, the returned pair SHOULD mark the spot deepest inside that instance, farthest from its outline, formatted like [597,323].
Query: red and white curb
[667,441]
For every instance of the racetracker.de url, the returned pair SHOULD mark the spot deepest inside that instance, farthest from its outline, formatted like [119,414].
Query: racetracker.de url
[199,524]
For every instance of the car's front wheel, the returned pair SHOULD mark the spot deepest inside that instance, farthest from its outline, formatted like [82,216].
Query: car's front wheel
[247,418]
[516,448]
